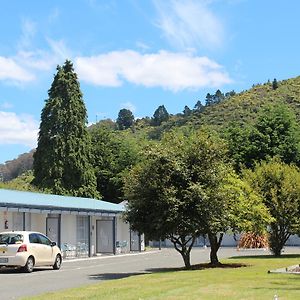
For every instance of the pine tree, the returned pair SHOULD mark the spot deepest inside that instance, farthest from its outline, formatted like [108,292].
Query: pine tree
[218,97]
[160,115]
[62,161]
[275,84]
[187,111]
[125,119]
[209,99]
[199,107]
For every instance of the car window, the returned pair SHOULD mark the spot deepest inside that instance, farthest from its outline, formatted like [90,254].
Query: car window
[44,240]
[33,238]
[11,238]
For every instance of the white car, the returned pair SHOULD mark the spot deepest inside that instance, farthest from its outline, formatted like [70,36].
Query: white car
[27,249]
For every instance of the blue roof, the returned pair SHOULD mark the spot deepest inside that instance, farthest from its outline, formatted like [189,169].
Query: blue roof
[46,201]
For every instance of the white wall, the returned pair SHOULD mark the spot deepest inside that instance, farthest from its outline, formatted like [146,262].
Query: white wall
[5,216]
[38,222]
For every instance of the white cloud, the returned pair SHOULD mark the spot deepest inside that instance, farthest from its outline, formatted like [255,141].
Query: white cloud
[11,71]
[18,129]
[59,50]
[172,71]
[189,23]
[44,60]
[28,29]
[28,61]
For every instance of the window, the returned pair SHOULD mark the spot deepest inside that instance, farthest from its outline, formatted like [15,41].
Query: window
[44,240]
[33,238]
[82,235]
[11,239]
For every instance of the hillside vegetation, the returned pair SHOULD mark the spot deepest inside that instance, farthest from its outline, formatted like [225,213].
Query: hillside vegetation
[241,107]
[244,106]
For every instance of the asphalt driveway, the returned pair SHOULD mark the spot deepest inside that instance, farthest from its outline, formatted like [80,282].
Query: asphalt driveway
[74,273]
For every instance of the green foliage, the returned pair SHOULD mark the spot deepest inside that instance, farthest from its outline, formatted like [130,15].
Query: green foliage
[125,119]
[21,183]
[275,133]
[160,115]
[184,188]
[199,107]
[279,186]
[187,111]
[62,161]
[243,107]
[114,154]
[275,84]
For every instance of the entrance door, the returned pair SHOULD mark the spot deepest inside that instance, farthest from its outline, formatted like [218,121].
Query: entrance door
[53,229]
[135,241]
[105,236]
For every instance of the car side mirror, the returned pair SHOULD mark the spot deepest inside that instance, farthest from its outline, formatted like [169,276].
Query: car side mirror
[53,244]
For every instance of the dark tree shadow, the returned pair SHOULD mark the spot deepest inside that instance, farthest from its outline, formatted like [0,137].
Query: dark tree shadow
[202,266]
[270,256]
[112,276]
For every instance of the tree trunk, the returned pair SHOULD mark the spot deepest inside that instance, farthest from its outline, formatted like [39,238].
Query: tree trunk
[277,239]
[182,245]
[214,247]
[186,259]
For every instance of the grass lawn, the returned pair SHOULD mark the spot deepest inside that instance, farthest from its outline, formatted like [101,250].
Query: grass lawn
[251,282]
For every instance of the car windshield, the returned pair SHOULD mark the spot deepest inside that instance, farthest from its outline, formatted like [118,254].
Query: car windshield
[11,238]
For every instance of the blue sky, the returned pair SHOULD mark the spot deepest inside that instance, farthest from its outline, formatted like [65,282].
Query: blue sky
[137,54]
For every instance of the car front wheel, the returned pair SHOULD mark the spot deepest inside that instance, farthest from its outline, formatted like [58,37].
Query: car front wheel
[28,268]
[57,263]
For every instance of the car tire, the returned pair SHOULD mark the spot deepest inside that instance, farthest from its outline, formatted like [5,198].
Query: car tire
[28,268]
[57,263]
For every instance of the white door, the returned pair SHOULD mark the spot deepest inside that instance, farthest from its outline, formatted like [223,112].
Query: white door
[105,236]
[135,241]
[53,229]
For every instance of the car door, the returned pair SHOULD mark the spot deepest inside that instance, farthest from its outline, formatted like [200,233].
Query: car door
[46,250]
[35,248]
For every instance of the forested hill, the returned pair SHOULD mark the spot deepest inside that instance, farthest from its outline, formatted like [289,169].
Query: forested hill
[217,110]
[244,106]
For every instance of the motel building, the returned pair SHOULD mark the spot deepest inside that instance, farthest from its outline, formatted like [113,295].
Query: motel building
[82,227]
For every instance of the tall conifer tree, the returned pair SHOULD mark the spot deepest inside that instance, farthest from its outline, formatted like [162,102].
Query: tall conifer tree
[62,161]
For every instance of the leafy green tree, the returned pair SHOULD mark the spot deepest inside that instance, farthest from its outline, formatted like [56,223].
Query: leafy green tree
[230,94]
[227,203]
[115,153]
[275,133]
[62,161]
[199,107]
[274,84]
[209,99]
[160,115]
[218,97]
[184,188]
[125,119]
[279,186]
[187,111]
